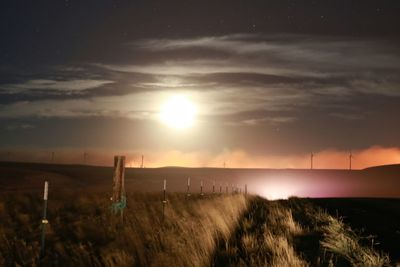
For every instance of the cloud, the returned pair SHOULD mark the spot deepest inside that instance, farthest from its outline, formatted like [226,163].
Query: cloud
[378,87]
[274,120]
[349,116]
[64,85]
[116,106]
[238,43]
[325,67]
[19,126]
[287,47]
[211,66]
[45,89]
[337,55]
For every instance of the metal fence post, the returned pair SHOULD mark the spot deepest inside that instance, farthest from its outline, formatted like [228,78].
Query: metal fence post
[188,187]
[165,198]
[44,220]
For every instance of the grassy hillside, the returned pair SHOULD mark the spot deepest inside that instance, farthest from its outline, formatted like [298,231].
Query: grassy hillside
[210,230]
[83,232]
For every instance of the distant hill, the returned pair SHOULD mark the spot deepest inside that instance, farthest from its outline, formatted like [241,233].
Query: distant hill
[379,181]
[385,168]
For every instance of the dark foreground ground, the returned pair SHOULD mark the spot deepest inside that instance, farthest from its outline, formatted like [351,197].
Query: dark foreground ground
[377,218]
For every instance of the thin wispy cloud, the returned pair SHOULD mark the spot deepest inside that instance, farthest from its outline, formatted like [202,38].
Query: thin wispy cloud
[330,52]
[64,85]
[211,66]
[19,126]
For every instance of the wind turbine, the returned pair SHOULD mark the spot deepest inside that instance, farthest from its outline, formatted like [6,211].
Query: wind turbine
[312,158]
[85,155]
[350,159]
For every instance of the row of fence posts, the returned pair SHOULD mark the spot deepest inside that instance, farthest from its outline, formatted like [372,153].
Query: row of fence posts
[233,188]
[188,192]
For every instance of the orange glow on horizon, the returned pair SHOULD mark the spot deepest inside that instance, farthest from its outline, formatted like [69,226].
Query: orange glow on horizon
[327,159]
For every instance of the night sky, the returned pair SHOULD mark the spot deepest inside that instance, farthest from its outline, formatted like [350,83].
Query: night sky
[271,80]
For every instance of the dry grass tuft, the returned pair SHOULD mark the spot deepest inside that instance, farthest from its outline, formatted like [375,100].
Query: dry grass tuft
[344,242]
[336,239]
[264,238]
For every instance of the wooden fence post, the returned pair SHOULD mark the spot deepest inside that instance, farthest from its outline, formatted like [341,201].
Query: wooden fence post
[119,198]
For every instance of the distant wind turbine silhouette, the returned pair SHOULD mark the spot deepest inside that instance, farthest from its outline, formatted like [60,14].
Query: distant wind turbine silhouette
[350,159]
[312,159]
[85,155]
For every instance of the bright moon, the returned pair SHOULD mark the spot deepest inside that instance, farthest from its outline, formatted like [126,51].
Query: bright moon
[178,112]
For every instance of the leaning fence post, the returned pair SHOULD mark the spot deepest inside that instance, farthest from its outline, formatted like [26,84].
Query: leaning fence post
[44,220]
[201,188]
[119,197]
[213,187]
[165,198]
[226,188]
[220,187]
[188,187]
[245,189]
